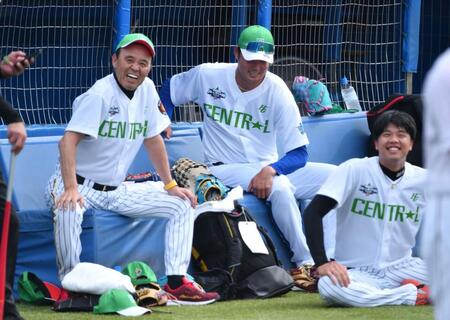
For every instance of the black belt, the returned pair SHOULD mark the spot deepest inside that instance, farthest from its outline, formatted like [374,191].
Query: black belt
[217,163]
[96,186]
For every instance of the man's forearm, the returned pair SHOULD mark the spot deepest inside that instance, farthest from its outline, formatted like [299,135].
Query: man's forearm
[158,156]
[67,151]
[314,213]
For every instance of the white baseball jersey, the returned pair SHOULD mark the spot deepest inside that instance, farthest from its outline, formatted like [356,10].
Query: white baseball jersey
[240,127]
[116,127]
[377,218]
[436,235]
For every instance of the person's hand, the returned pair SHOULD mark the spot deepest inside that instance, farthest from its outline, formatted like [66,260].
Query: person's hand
[184,194]
[336,272]
[261,184]
[69,199]
[17,136]
[14,64]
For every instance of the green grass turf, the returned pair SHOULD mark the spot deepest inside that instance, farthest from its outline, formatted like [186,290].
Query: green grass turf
[294,305]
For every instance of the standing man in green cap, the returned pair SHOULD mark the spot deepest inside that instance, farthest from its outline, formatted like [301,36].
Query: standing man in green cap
[247,110]
[110,122]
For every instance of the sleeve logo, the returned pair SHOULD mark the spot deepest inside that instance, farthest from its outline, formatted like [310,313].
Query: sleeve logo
[216,93]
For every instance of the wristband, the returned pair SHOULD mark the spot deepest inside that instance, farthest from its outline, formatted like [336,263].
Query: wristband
[172,184]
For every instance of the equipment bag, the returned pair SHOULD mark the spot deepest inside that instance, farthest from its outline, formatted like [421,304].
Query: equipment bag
[226,264]
[313,94]
[409,103]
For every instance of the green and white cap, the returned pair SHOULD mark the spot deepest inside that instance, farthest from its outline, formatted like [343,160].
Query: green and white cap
[140,273]
[121,302]
[137,38]
[256,43]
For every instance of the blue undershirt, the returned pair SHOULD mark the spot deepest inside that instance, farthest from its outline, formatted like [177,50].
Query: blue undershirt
[293,160]
[164,95]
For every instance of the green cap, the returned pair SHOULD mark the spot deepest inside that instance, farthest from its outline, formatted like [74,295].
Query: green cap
[137,38]
[140,273]
[256,43]
[121,302]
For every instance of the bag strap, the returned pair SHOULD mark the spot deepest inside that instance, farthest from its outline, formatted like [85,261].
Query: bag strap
[234,244]
[262,230]
[372,113]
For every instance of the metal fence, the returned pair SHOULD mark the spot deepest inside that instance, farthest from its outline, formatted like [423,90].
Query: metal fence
[317,38]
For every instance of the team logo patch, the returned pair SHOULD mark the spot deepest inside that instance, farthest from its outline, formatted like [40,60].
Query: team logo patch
[161,108]
[216,93]
[263,108]
[368,189]
[138,271]
[113,110]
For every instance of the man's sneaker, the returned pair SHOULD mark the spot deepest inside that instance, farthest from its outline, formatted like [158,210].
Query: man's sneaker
[305,278]
[423,292]
[190,293]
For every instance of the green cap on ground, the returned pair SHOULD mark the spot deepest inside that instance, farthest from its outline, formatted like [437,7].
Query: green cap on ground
[140,273]
[119,301]
[29,291]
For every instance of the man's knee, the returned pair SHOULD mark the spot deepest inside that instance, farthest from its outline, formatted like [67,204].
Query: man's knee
[326,290]
[183,207]
[282,186]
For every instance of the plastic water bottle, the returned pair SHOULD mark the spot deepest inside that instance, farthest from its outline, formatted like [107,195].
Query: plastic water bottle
[349,95]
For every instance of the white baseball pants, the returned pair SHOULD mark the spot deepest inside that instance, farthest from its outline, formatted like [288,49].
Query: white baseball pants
[286,190]
[372,287]
[134,200]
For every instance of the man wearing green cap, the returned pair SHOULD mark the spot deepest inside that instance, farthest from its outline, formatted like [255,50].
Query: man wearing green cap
[110,122]
[247,110]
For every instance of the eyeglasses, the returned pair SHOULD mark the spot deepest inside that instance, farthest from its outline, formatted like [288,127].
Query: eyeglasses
[260,46]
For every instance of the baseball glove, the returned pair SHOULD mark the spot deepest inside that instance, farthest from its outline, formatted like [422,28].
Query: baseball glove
[186,171]
[151,295]
[305,278]
[209,188]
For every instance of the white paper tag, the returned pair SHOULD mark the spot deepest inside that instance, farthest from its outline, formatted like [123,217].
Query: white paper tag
[252,237]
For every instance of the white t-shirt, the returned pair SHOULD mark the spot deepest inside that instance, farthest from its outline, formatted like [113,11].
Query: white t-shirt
[115,127]
[377,218]
[436,94]
[240,127]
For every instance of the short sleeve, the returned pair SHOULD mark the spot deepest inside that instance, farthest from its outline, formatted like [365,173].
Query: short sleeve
[156,115]
[87,114]
[183,86]
[339,184]
[290,131]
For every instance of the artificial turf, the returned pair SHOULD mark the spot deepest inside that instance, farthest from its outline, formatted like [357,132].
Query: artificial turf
[294,305]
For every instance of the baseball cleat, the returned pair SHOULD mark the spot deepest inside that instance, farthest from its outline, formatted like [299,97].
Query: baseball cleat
[190,293]
[423,291]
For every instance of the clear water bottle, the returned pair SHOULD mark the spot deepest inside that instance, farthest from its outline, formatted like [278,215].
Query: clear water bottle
[349,95]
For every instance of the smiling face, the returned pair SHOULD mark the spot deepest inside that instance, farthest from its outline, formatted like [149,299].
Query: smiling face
[249,74]
[393,145]
[131,65]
